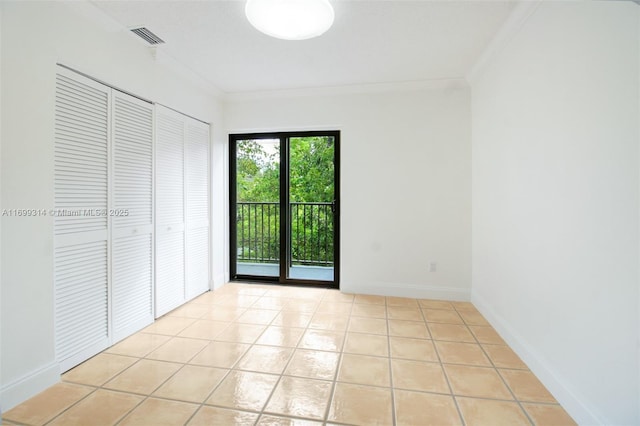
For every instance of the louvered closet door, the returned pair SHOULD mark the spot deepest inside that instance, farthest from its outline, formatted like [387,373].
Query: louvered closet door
[197,203]
[170,269]
[81,249]
[132,215]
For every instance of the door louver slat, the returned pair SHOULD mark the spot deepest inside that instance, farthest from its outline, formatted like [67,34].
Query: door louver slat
[80,186]
[81,300]
[132,255]
[170,269]
[133,174]
[169,272]
[197,152]
[170,175]
[73,167]
[197,261]
[132,277]
[197,241]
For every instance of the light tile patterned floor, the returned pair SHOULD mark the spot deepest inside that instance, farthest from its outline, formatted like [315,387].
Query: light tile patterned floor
[269,355]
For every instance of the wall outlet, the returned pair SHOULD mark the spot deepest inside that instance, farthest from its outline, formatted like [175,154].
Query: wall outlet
[433,266]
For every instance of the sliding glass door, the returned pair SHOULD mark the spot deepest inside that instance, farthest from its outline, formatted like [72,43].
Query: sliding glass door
[311,207]
[257,207]
[284,201]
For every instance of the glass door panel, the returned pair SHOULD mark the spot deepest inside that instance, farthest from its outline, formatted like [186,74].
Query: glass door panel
[310,206]
[284,207]
[257,209]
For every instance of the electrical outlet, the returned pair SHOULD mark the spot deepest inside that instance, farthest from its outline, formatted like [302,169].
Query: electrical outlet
[433,266]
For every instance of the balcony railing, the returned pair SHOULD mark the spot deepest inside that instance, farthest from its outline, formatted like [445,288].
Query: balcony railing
[311,238]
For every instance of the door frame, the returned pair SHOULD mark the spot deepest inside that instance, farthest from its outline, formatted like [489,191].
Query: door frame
[284,212]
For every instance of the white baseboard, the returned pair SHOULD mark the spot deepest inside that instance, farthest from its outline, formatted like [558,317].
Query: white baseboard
[27,386]
[536,363]
[415,291]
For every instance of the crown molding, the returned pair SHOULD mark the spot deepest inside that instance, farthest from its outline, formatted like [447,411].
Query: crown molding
[514,23]
[405,86]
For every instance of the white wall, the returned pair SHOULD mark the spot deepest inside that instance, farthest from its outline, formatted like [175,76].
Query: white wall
[405,181]
[36,35]
[555,203]
[1,205]
[219,207]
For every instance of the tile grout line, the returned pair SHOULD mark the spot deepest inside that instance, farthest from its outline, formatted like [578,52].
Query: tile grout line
[467,322]
[101,387]
[71,406]
[215,387]
[235,364]
[139,359]
[444,372]
[393,391]
[551,404]
[266,402]
[334,382]
[497,371]
[165,381]
[149,395]
[229,370]
[281,375]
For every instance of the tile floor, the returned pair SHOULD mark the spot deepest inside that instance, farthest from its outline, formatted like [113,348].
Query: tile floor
[268,355]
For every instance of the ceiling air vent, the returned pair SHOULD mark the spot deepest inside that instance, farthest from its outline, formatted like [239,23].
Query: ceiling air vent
[147,35]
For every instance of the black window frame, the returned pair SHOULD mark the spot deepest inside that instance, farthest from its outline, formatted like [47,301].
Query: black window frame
[284,201]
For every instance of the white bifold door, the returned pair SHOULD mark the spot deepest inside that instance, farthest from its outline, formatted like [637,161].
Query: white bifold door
[81,241]
[182,205]
[131,215]
[197,207]
[103,217]
[170,251]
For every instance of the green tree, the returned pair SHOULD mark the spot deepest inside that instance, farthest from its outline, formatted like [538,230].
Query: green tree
[258,173]
[311,182]
[311,176]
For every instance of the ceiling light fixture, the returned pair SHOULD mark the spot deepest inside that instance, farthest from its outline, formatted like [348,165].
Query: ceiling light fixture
[290,19]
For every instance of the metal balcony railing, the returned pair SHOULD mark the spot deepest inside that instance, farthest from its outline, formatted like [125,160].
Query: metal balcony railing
[311,236]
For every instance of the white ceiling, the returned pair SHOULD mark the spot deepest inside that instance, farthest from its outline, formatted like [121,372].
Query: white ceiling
[370,42]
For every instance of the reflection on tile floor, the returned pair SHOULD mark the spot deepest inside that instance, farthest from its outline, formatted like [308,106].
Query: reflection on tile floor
[268,355]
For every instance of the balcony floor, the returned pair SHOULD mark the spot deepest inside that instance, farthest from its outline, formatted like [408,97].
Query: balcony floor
[317,273]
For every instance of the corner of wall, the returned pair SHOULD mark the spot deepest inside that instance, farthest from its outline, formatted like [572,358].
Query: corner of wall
[571,402]
[217,282]
[518,17]
[1,321]
[551,368]
[28,359]
[638,134]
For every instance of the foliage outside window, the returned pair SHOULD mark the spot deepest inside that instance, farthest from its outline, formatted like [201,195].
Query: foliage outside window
[311,192]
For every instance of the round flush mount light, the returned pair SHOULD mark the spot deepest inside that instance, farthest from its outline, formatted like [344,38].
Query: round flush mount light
[290,19]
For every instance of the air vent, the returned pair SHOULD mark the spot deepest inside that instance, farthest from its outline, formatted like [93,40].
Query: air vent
[147,35]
